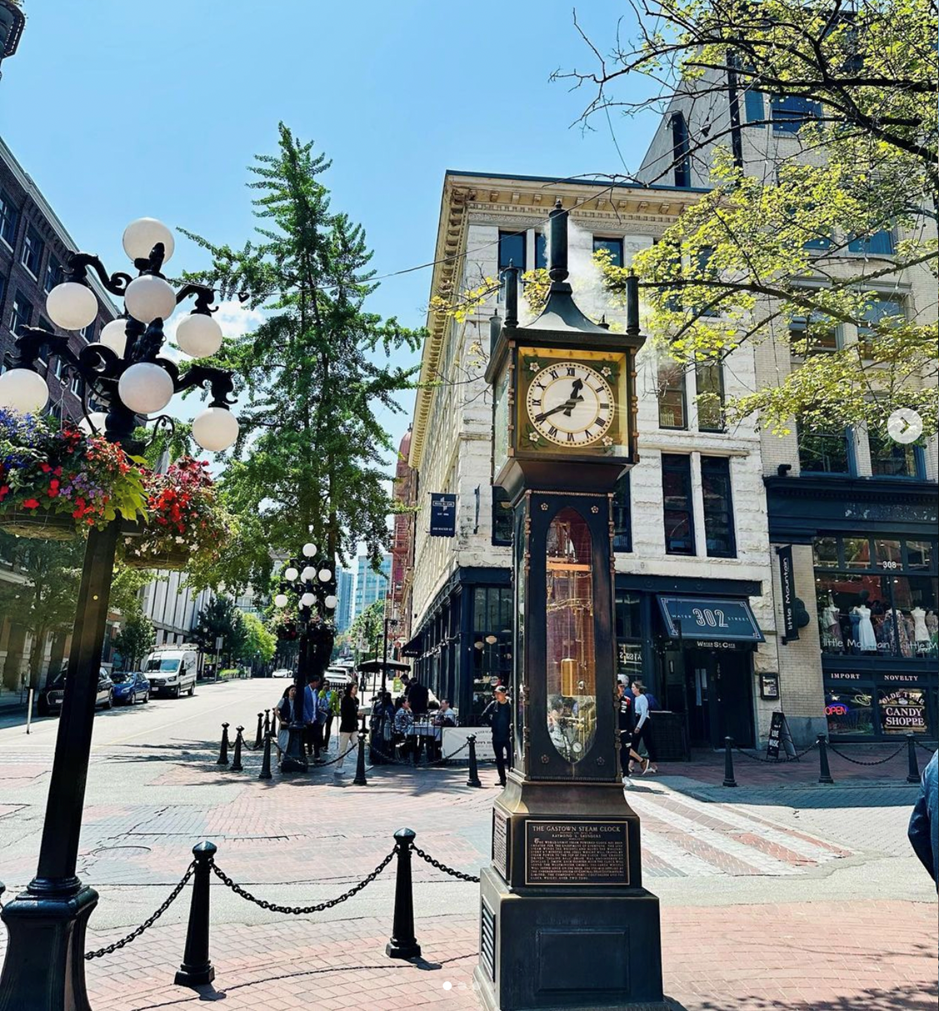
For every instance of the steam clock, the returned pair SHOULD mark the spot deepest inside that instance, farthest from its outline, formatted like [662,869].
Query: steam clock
[564,919]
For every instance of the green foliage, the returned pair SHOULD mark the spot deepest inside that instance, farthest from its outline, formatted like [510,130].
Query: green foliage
[366,631]
[260,642]
[221,618]
[310,461]
[135,639]
[41,591]
[735,267]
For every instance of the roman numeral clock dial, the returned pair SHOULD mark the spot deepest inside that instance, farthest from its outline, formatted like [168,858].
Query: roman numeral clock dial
[570,404]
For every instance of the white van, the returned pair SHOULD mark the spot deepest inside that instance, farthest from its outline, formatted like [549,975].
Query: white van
[171,670]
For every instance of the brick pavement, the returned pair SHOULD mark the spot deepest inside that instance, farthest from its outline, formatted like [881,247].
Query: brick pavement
[863,955]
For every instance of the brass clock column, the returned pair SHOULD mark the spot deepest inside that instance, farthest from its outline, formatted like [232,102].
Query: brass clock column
[564,919]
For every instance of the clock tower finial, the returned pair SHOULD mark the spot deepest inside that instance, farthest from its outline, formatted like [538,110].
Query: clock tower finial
[557,243]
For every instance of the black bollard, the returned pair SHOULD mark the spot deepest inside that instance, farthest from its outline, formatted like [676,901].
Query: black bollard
[259,736]
[265,772]
[473,778]
[223,751]
[236,765]
[267,722]
[196,969]
[403,943]
[824,772]
[729,762]
[360,779]
[913,775]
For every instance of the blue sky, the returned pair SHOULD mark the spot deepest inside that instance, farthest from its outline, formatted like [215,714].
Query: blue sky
[120,109]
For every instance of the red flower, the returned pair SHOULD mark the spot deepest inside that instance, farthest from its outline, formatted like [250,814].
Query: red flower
[4,491]
[57,472]
[45,468]
[31,503]
[53,488]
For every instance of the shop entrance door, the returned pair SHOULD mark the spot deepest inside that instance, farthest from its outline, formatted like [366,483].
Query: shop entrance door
[720,697]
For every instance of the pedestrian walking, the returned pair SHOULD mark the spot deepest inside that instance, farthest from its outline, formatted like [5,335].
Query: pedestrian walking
[282,715]
[348,722]
[314,728]
[924,821]
[626,724]
[641,734]
[329,701]
[498,715]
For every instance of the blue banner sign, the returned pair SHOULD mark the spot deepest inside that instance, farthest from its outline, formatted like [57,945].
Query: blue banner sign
[442,515]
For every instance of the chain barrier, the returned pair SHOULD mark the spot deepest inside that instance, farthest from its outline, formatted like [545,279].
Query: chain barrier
[320,765]
[437,865]
[171,898]
[301,910]
[857,761]
[425,765]
[777,761]
[930,749]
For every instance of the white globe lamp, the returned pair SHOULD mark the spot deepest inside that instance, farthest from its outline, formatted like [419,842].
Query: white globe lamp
[114,336]
[142,235]
[308,574]
[280,600]
[308,600]
[198,335]
[290,574]
[94,423]
[309,550]
[148,298]
[23,391]
[215,429]
[71,305]
[325,575]
[145,388]
[331,602]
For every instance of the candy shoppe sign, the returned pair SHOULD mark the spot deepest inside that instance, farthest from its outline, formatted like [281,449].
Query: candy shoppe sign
[903,712]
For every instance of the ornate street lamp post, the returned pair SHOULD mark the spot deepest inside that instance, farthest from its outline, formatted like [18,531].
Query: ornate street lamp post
[314,587]
[44,967]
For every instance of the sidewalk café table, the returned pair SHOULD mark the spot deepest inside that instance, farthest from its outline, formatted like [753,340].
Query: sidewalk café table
[421,730]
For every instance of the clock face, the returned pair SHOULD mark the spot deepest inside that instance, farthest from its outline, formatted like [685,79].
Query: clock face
[570,404]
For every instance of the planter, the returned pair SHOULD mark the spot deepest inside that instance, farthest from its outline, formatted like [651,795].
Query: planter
[39,524]
[173,560]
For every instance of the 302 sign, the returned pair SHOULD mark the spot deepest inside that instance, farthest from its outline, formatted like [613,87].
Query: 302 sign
[705,617]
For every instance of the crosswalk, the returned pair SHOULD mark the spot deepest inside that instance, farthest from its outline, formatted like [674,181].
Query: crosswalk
[685,837]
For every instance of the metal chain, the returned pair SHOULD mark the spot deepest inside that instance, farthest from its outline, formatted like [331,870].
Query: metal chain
[925,747]
[302,910]
[171,898]
[338,758]
[857,761]
[443,867]
[426,765]
[776,761]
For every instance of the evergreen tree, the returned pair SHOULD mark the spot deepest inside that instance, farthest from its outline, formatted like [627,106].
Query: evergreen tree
[310,461]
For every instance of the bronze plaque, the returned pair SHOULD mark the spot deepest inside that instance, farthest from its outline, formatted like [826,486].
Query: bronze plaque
[500,842]
[564,852]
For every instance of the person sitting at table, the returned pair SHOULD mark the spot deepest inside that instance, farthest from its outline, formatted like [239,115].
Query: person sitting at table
[444,717]
[404,722]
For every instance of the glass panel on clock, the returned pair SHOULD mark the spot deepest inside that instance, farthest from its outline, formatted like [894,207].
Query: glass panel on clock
[570,647]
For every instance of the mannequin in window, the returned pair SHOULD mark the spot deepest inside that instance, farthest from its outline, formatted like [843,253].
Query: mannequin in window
[866,640]
[920,631]
[830,617]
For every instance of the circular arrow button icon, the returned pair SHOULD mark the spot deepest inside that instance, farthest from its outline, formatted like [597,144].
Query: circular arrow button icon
[904,426]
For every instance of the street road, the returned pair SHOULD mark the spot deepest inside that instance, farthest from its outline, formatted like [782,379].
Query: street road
[154,791]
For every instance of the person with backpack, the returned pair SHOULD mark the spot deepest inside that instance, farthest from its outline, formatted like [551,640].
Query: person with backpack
[641,734]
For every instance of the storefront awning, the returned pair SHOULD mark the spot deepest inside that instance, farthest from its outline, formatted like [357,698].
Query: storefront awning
[709,619]
[375,666]
[412,647]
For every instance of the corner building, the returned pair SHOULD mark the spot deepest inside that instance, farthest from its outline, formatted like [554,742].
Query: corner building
[695,616]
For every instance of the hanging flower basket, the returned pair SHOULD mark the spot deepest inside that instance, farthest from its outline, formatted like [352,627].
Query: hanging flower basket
[186,526]
[56,482]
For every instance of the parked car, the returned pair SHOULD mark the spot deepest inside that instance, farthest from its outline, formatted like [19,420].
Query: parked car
[339,676]
[282,672]
[171,670]
[130,686]
[50,697]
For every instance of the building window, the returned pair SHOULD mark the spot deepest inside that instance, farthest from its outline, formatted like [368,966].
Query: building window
[22,313]
[501,517]
[878,244]
[622,515]
[679,510]
[511,250]
[541,251]
[613,246]
[681,159]
[813,333]
[9,216]
[7,364]
[53,273]
[754,107]
[31,254]
[673,409]
[893,459]
[718,507]
[77,386]
[883,602]
[709,384]
[874,316]
[790,113]
[823,452]
[88,332]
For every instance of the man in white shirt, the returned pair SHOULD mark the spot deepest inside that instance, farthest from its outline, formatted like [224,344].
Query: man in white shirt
[641,732]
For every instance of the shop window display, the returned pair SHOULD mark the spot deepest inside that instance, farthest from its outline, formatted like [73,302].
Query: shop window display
[882,611]
[849,711]
[902,710]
